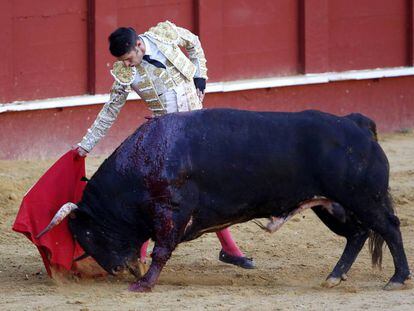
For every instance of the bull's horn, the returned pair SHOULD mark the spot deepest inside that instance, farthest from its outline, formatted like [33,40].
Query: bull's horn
[64,211]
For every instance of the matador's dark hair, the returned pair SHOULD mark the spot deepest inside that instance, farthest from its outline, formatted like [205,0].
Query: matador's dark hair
[122,41]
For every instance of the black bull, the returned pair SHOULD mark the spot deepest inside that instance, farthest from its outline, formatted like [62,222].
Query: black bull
[184,174]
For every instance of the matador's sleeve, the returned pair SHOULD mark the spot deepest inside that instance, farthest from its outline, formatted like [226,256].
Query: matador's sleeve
[106,116]
[192,44]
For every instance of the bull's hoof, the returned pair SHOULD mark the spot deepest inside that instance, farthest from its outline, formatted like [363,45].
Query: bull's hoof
[139,287]
[333,281]
[400,285]
[394,286]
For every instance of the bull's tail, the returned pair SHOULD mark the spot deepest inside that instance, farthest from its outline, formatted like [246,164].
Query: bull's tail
[375,244]
[375,241]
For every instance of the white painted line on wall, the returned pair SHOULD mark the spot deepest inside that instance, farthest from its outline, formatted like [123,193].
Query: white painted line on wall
[217,87]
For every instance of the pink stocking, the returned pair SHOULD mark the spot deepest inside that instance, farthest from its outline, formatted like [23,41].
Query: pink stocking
[227,243]
[144,252]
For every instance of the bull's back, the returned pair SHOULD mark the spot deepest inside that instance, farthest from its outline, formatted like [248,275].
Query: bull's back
[262,156]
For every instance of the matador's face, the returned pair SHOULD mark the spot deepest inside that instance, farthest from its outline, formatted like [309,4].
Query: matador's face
[134,57]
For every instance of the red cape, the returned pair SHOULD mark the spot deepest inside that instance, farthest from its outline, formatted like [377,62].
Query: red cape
[60,184]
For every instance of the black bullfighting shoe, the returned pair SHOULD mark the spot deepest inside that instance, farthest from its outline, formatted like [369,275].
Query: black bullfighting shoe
[243,262]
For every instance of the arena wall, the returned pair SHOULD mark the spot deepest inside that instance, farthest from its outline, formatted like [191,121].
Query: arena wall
[269,55]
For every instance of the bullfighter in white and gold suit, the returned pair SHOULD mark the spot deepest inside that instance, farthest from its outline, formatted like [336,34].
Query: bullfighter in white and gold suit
[153,65]
[165,89]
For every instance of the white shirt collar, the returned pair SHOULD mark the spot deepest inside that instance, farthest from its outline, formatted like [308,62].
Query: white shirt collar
[148,45]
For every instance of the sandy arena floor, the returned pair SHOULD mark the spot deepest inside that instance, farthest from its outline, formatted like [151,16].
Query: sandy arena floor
[291,263]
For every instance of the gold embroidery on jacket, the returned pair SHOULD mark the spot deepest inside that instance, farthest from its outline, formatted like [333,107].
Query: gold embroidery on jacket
[148,92]
[164,32]
[166,37]
[124,75]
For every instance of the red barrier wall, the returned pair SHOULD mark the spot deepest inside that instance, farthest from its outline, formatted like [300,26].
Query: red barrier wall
[363,34]
[59,48]
[43,49]
[249,39]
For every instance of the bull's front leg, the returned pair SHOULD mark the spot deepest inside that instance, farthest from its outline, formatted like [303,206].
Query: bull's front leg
[160,256]
[166,239]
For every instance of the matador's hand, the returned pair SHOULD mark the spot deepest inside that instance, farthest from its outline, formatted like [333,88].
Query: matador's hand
[200,84]
[200,95]
[81,152]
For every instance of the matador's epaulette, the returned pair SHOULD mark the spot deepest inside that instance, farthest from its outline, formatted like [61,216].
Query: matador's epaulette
[124,75]
[165,32]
